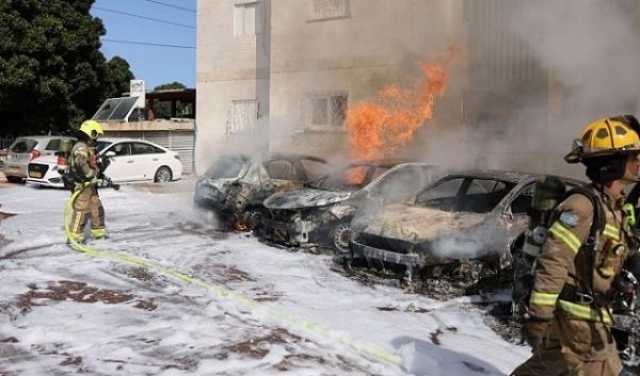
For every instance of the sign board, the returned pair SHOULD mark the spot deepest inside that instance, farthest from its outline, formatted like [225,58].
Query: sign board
[136,89]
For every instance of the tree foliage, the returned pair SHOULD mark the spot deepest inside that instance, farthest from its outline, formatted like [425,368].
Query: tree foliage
[170,85]
[118,78]
[52,74]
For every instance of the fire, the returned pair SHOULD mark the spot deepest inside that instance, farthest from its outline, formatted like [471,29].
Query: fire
[355,176]
[379,128]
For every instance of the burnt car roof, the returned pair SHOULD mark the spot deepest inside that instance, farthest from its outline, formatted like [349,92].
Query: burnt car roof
[293,156]
[273,156]
[387,163]
[508,175]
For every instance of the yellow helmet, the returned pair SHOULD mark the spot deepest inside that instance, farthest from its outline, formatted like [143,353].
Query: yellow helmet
[91,128]
[607,137]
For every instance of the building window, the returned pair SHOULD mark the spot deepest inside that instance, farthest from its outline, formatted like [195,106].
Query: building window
[242,117]
[244,18]
[326,112]
[329,9]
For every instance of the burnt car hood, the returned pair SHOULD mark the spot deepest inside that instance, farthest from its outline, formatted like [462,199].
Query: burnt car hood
[305,198]
[219,184]
[416,224]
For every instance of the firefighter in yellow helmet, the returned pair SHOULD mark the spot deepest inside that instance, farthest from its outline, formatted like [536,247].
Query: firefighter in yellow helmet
[84,171]
[569,314]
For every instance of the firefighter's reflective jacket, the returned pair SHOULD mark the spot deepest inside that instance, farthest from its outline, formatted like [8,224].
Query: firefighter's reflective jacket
[578,309]
[83,164]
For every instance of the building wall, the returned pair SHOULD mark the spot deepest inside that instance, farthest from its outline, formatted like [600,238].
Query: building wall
[226,71]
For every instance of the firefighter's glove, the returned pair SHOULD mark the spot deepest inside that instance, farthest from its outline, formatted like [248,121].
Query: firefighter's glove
[533,332]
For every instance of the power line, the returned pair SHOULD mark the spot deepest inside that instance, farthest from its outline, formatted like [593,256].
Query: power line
[146,43]
[172,6]
[143,17]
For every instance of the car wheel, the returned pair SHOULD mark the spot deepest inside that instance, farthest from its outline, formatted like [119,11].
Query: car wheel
[163,175]
[341,237]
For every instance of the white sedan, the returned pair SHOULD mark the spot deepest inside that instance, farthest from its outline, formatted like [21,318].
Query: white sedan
[131,160]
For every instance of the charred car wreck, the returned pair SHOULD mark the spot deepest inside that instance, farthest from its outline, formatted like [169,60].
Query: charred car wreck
[236,185]
[459,228]
[320,215]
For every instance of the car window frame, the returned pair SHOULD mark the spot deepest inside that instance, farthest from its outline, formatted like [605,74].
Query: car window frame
[113,145]
[304,171]
[58,140]
[373,187]
[461,189]
[518,191]
[290,172]
[153,147]
[508,201]
[507,184]
[106,148]
[23,139]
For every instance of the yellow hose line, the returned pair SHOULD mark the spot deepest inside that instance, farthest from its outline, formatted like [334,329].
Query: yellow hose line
[224,293]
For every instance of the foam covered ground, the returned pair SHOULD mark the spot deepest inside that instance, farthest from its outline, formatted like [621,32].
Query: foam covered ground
[64,312]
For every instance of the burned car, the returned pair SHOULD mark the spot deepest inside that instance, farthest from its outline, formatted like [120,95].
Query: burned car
[461,225]
[320,215]
[235,186]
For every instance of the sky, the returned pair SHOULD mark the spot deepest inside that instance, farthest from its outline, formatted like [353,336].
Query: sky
[154,64]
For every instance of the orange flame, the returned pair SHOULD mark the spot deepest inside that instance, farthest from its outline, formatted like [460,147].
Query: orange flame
[378,129]
[355,176]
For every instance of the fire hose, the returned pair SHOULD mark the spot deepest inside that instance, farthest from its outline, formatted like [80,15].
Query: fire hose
[370,351]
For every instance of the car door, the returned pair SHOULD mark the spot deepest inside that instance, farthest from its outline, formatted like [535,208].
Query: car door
[146,159]
[122,167]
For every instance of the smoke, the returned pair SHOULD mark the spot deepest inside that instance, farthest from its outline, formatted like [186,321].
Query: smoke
[535,79]
[588,47]
[475,242]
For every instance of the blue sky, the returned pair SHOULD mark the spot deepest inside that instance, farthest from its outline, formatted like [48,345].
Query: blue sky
[156,65]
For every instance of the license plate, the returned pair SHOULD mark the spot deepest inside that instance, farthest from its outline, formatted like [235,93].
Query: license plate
[35,174]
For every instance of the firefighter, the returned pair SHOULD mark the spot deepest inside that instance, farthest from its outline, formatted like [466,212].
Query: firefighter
[569,313]
[85,171]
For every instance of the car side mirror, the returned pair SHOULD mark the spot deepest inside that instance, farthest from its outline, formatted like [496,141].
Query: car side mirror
[110,154]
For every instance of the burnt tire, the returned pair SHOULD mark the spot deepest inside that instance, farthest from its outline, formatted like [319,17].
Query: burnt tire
[341,236]
[163,175]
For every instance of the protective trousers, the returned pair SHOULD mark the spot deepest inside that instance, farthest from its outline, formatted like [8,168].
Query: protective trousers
[87,204]
[553,362]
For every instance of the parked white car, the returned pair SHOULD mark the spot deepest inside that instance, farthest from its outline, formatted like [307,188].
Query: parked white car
[131,160]
[25,149]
